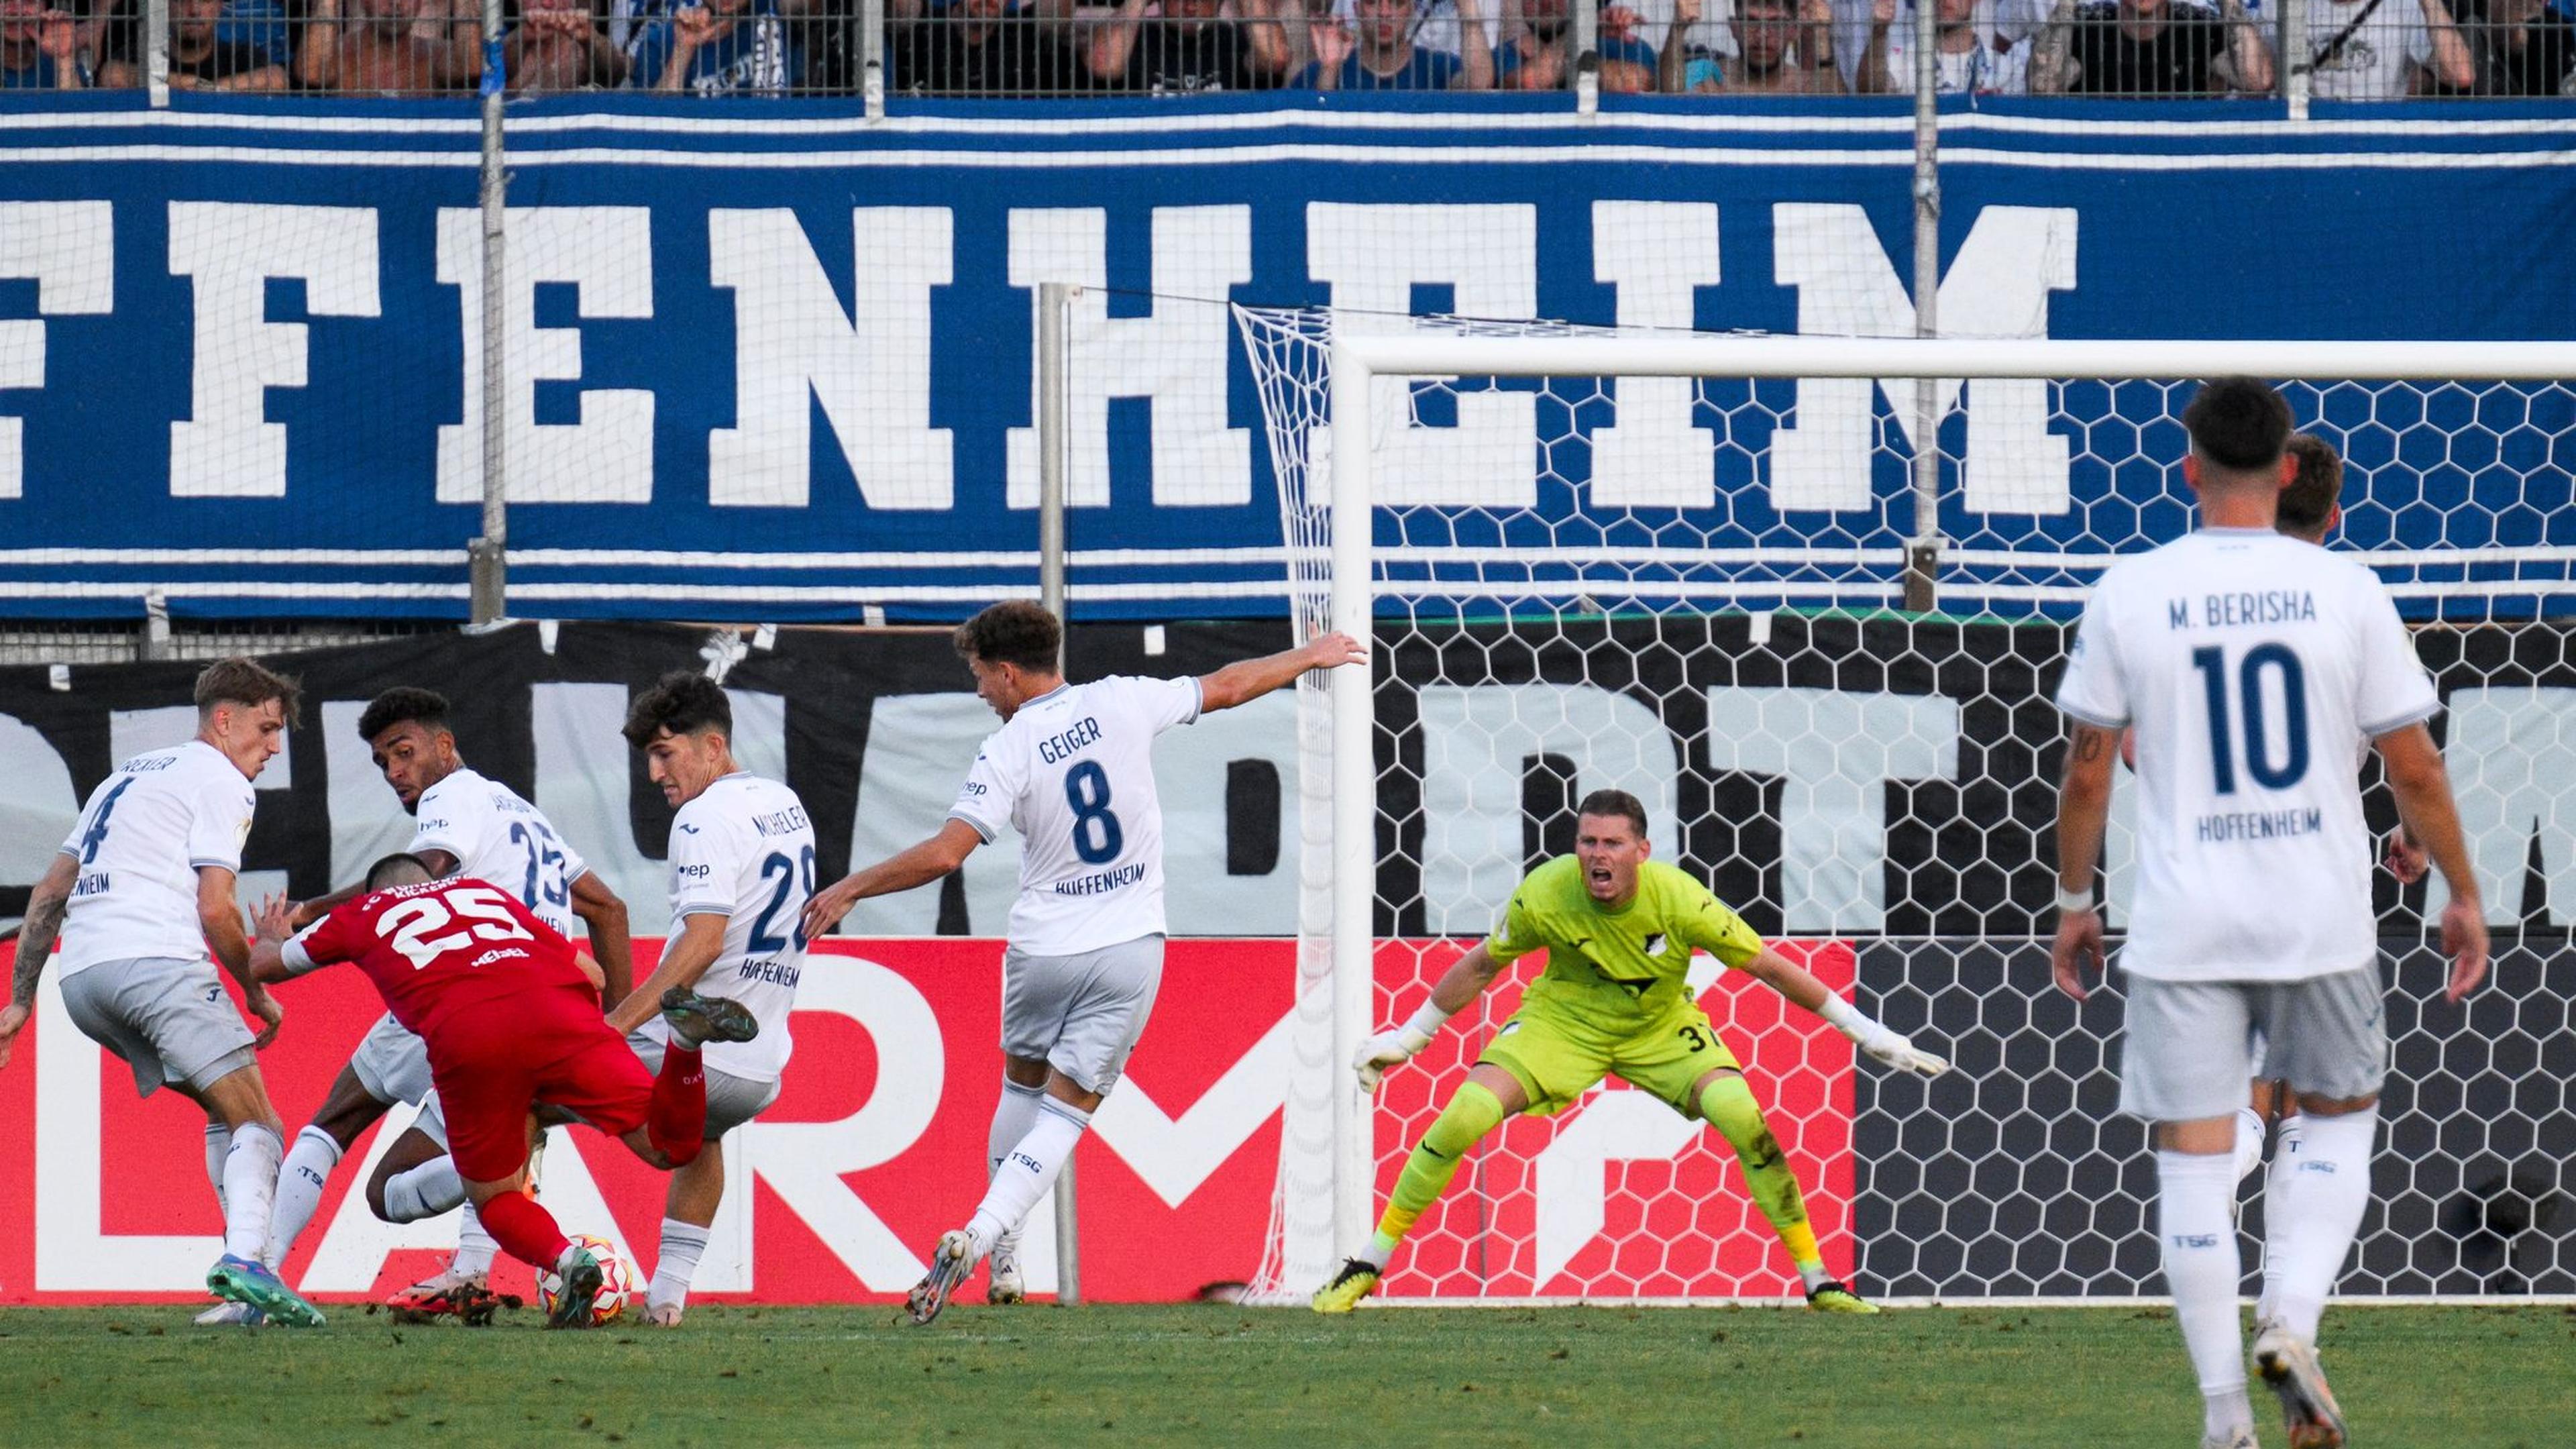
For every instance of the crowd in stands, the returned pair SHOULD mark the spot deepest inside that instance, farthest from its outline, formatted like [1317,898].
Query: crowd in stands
[2358,49]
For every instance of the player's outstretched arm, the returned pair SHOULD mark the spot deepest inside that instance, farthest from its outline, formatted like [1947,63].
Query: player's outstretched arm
[1880,1042]
[1249,679]
[2083,812]
[611,943]
[271,925]
[1464,981]
[220,916]
[2422,785]
[35,945]
[915,865]
[685,957]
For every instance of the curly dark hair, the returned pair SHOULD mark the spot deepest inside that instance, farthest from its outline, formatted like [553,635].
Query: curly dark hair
[403,705]
[2238,423]
[1014,631]
[684,702]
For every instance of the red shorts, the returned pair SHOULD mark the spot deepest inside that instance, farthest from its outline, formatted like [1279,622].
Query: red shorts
[492,1063]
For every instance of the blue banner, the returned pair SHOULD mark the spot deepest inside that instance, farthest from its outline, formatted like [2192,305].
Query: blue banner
[774,362]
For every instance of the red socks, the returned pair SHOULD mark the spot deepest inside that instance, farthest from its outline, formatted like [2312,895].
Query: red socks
[675,1121]
[523,1229]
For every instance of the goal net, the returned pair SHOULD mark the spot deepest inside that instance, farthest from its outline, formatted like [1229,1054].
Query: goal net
[1673,564]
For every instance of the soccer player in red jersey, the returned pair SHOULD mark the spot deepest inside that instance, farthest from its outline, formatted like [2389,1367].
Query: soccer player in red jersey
[510,1018]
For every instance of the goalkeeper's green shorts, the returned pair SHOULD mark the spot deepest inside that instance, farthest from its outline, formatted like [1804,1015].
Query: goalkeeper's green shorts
[1557,1059]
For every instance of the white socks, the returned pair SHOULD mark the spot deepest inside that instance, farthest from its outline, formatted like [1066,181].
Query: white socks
[2320,1205]
[219,1145]
[250,1180]
[474,1247]
[299,1189]
[1027,1172]
[2196,1229]
[682,1245]
[424,1191]
[2249,1140]
[1013,1116]
[2276,1198]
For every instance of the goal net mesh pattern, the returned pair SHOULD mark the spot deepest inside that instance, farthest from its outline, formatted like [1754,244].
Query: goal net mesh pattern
[1686,588]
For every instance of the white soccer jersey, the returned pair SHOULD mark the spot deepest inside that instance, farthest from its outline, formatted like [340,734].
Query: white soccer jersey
[139,842]
[745,850]
[2247,662]
[498,837]
[1073,772]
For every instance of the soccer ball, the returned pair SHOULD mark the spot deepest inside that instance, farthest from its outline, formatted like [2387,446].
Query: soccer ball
[617,1281]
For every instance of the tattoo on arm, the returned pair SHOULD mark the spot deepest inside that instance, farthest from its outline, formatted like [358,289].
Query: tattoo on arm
[35,944]
[2090,743]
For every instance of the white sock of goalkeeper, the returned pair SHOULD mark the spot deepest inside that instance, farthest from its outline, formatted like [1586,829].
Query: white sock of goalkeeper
[219,1146]
[2326,1196]
[424,1191]
[682,1245]
[1028,1170]
[299,1189]
[250,1182]
[475,1248]
[1012,1118]
[2197,1234]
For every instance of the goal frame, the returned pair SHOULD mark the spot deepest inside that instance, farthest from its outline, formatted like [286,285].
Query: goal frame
[1358,361]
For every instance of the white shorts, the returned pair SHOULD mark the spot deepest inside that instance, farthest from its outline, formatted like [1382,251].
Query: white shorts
[391,1063]
[2186,1054]
[1081,1014]
[168,1018]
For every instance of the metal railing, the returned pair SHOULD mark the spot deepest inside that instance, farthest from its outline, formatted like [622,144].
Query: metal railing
[2334,49]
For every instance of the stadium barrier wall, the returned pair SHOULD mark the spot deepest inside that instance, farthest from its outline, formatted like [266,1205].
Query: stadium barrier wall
[2009,1176]
[779,367]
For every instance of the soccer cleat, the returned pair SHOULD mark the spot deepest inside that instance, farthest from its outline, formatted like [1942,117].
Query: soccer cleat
[1357,1278]
[702,1019]
[231,1315]
[2241,1439]
[248,1281]
[2308,1407]
[450,1292]
[950,1262]
[1831,1296]
[1006,1286]
[582,1280]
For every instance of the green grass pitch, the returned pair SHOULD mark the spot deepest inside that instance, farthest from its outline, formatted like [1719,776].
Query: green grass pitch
[1991,1378]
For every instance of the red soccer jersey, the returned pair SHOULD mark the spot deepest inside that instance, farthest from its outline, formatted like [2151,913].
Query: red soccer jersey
[440,947]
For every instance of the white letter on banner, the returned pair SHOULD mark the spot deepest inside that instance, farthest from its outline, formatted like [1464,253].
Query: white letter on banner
[1656,253]
[794,347]
[606,253]
[1998,286]
[1573,1194]
[803,1162]
[1476,742]
[2513,756]
[226,447]
[1834,751]
[1191,769]
[40,806]
[73,1253]
[1176,357]
[69,248]
[1175,1156]
[1372,257]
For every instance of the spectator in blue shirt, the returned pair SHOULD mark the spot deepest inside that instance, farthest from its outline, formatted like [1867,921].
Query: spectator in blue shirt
[1377,53]
[723,47]
[1539,58]
[39,48]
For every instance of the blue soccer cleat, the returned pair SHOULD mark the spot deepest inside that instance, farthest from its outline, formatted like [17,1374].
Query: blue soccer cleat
[248,1281]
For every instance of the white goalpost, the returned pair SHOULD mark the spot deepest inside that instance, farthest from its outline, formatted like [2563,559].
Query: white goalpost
[1617,633]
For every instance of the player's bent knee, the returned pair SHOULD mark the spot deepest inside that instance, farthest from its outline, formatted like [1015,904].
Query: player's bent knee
[1472,1113]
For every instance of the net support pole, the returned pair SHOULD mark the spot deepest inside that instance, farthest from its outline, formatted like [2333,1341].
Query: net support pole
[487,557]
[1586,79]
[2297,65]
[1055,309]
[156,52]
[1923,550]
[1354,796]
[872,57]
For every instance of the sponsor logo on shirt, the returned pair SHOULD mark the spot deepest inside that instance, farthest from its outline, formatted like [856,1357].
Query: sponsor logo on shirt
[693,872]
[1655,944]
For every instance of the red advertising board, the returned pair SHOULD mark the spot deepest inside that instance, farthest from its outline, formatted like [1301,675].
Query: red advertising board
[878,1143]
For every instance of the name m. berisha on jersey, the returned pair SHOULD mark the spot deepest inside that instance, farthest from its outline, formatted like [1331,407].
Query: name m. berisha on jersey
[2222,611]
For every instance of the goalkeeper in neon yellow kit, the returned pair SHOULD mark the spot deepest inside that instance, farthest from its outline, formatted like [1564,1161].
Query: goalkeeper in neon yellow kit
[1619,931]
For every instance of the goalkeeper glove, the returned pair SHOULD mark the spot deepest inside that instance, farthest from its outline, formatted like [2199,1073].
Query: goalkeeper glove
[1879,1042]
[1390,1047]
